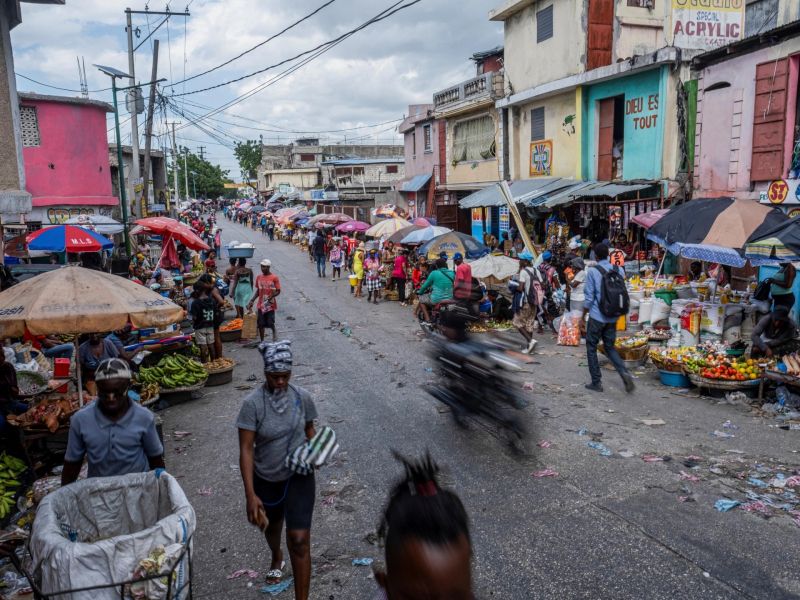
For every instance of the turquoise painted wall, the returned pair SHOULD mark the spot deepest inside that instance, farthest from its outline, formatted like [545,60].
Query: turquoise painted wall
[644,123]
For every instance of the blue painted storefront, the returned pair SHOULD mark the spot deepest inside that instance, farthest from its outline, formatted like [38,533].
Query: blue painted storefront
[644,102]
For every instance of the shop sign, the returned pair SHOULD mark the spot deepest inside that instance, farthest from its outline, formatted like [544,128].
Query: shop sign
[58,216]
[477,215]
[504,218]
[781,192]
[706,24]
[541,158]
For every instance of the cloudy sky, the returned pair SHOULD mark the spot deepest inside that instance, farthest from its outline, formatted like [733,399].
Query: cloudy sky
[368,79]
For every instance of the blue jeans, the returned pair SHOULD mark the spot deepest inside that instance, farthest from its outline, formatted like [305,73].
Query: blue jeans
[60,351]
[320,265]
[607,332]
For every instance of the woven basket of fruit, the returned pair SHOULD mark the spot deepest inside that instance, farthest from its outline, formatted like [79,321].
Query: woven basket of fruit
[220,371]
[722,384]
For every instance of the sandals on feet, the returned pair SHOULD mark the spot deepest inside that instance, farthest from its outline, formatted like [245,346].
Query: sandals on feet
[275,575]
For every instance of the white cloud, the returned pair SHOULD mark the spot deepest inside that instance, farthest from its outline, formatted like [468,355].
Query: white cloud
[369,78]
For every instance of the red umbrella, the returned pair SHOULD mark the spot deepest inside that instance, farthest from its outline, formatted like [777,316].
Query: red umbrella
[647,220]
[172,229]
[352,226]
[421,222]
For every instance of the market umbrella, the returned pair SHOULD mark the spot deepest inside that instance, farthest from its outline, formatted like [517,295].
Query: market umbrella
[780,244]
[398,235]
[453,242]
[68,238]
[352,226]
[74,300]
[422,222]
[100,223]
[425,234]
[387,227]
[494,268]
[330,219]
[714,229]
[171,229]
[647,220]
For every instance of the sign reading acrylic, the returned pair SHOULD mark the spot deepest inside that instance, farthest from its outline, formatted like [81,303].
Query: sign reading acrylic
[541,158]
[706,24]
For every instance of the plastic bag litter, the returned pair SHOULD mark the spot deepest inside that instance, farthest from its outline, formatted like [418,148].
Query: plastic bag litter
[724,505]
[569,333]
[117,522]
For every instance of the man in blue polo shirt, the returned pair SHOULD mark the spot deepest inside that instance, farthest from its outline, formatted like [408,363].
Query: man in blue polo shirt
[115,435]
[601,327]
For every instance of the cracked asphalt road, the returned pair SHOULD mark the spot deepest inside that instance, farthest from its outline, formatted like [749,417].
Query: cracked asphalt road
[606,527]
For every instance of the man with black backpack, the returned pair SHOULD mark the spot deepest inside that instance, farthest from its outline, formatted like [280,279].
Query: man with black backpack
[606,300]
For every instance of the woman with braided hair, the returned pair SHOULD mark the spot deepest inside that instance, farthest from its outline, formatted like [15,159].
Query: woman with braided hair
[425,530]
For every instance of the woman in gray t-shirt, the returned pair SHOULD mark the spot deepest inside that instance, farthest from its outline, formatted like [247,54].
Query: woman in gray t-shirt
[274,420]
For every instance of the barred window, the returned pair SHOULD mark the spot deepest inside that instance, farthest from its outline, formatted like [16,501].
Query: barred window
[29,123]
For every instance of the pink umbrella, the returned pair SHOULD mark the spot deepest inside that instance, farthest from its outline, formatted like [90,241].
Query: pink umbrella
[647,220]
[352,226]
[419,221]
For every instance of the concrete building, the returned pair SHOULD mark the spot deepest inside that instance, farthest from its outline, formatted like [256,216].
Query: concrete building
[65,153]
[747,122]
[361,184]
[158,177]
[306,156]
[15,200]
[421,132]
[470,150]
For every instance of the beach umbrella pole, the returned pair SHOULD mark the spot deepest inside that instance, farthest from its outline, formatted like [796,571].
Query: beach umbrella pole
[78,373]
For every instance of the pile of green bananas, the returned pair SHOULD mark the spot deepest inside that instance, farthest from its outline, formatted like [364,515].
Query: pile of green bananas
[10,469]
[174,371]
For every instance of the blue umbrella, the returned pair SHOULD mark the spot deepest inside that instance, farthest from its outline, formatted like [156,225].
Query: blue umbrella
[425,234]
[68,238]
[453,242]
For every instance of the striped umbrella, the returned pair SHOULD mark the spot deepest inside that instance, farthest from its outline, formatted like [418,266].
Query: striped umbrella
[714,229]
[780,244]
[387,227]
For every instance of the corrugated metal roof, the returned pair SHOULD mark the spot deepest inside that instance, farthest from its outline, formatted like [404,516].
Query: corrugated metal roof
[541,193]
[416,183]
[612,190]
[521,190]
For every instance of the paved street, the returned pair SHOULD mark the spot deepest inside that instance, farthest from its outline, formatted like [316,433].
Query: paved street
[606,527]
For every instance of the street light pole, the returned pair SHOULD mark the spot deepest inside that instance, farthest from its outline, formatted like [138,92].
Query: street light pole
[120,170]
[194,186]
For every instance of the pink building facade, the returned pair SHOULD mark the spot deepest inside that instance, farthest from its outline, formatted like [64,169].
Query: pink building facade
[747,136]
[65,151]
[421,132]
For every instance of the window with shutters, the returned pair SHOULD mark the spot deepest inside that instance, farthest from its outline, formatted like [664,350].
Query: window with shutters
[428,138]
[29,123]
[391,169]
[544,24]
[537,124]
[474,140]
[306,158]
[769,120]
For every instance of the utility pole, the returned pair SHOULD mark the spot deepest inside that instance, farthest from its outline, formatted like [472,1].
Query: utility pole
[131,68]
[186,170]
[201,151]
[175,168]
[134,174]
[149,129]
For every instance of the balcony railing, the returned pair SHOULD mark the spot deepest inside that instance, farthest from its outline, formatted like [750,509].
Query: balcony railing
[488,85]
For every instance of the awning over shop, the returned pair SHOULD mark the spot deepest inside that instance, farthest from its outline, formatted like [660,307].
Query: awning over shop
[590,189]
[43,201]
[520,190]
[416,183]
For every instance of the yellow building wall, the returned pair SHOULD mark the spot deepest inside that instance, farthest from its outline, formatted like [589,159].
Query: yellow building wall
[562,130]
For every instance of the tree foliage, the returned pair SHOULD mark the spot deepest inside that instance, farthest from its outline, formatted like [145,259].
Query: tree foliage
[209,180]
[249,156]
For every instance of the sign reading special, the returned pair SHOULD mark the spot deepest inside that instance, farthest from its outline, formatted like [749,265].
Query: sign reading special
[707,24]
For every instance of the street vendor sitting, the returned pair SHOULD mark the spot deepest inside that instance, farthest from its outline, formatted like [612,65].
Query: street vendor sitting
[775,334]
[91,353]
[115,435]
[9,393]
